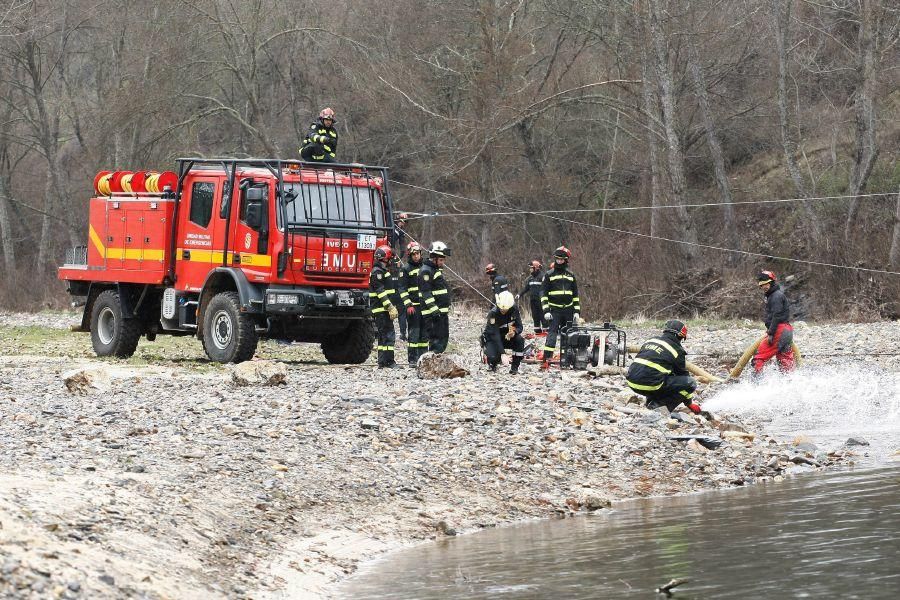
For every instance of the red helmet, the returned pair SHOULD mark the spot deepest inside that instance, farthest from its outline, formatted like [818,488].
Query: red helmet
[562,252]
[383,253]
[677,327]
[536,264]
[765,277]
[327,113]
[490,269]
[413,247]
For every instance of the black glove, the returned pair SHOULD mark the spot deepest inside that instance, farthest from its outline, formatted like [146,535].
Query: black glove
[771,339]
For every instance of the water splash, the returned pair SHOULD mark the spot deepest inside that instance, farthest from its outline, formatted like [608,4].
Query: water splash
[823,403]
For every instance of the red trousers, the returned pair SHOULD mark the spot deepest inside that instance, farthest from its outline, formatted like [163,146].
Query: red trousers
[780,348]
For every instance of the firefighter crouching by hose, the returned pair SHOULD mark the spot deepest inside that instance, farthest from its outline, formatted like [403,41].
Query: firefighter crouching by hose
[504,330]
[559,301]
[533,288]
[659,371]
[779,332]
[412,303]
[435,297]
[380,291]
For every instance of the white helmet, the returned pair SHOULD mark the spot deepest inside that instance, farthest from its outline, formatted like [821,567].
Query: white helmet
[439,249]
[505,300]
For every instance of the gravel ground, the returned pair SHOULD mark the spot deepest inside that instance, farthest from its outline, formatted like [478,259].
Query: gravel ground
[164,479]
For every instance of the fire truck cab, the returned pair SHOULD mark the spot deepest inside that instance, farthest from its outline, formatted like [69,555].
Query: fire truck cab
[232,251]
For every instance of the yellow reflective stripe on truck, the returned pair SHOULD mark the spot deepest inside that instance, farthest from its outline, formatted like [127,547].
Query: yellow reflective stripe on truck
[216,256]
[124,253]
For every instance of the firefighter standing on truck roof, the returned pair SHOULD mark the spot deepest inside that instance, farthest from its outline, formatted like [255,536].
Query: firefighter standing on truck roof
[499,283]
[659,371]
[779,332]
[533,287]
[559,300]
[435,297]
[504,330]
[320,143]
[380,291]
[417,343]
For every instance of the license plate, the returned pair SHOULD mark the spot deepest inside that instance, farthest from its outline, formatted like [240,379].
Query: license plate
[365,242]
[344,299]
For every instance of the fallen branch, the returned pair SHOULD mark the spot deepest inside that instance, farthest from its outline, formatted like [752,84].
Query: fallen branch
[667,589]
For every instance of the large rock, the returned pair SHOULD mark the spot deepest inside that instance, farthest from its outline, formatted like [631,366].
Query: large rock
[440,366]
[86,381]
[259,372]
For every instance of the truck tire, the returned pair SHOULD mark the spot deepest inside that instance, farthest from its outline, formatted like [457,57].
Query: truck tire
[352,346]
[111,333]
[228,334]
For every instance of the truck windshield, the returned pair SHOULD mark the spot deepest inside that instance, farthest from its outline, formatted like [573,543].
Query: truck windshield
[333,205]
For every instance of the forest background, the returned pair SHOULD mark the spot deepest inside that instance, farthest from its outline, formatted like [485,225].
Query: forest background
[629,112]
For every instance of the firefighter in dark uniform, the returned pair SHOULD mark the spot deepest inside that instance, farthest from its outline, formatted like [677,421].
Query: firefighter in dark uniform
[435,297]
[559,300]
[320,143]
[401,243]
[380,292]
[504,330]
[499,283]
[779,331]
[417,343]
[659,371]
[533,287]
[400,232]
[395,267]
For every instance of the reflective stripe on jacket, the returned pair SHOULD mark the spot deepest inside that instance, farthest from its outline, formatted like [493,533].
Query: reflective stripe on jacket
[409,284]
[560,289]
[433,289]
[657,358]
[326,136]
[381,288]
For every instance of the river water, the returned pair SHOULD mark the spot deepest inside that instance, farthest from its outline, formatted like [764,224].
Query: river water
[832,535]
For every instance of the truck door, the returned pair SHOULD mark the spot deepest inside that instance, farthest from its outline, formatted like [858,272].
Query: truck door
[196,239]
[251,229]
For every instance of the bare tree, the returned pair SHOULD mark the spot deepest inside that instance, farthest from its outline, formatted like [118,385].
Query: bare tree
[894,254]
[677,179]
[712,140]
[865,142]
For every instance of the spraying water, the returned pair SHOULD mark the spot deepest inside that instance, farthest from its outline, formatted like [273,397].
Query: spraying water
[826,404]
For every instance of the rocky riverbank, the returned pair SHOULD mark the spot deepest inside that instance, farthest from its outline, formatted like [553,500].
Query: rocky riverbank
[163,477]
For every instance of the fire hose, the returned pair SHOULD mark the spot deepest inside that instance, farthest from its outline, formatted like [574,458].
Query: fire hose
[751,350]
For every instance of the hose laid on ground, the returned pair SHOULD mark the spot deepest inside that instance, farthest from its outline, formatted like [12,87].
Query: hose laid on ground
[751,350]
[702,375]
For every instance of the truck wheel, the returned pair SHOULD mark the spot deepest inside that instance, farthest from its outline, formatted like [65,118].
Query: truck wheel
[111,333]
[228,334]
[352,346]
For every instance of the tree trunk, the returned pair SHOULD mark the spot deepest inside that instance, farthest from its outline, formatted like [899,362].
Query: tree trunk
[866,144]
[894,256]
[685,228]
[650,108]
[781,15]
[6,238]
[715,148]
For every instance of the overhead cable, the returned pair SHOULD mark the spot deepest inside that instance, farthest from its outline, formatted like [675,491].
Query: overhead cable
[653,237]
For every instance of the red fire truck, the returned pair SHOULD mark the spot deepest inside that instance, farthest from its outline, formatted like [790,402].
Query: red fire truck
[231,251]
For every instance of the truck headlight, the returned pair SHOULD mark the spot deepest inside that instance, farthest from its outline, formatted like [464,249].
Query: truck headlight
[282,299]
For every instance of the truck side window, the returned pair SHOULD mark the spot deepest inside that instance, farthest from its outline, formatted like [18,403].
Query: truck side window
[202,202]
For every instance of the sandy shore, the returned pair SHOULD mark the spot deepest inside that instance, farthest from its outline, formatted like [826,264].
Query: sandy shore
[161,478]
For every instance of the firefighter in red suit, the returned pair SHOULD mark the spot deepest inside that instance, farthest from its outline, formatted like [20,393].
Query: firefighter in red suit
[779,333]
